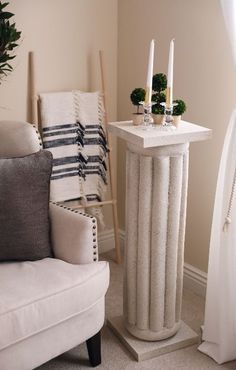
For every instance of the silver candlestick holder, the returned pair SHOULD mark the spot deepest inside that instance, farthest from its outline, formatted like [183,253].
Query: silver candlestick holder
[168,121]
[147,115]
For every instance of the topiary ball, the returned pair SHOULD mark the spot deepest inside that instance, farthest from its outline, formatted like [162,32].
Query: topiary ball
[180,108]
[137,95]
[159,82]
[158,98]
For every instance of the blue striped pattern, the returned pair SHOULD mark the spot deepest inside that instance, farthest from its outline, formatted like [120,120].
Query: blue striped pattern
[84,164]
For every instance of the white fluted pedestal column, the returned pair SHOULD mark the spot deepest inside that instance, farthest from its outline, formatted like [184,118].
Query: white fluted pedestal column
[155,223]
[156,194]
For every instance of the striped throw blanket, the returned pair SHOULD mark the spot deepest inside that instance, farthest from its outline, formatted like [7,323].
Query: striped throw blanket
[72,129]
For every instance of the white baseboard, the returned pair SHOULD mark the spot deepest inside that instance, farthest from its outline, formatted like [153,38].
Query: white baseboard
[106,240]
[194,279]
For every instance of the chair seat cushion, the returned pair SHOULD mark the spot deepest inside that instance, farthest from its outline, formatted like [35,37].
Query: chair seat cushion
[40,294]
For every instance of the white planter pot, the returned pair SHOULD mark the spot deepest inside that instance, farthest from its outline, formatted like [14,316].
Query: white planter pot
[137,119]
[177,120]
[158,118]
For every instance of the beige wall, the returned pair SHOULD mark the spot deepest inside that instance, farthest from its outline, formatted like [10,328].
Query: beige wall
[204,76]
[66,37]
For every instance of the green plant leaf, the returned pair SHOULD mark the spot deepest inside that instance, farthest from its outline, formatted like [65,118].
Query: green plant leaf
[6,15]
[12,46]
[3,58]
[6,69]
[3,5]
[6,65]
[8,37]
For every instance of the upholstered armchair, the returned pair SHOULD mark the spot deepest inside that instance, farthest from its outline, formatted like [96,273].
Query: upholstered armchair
[50,305]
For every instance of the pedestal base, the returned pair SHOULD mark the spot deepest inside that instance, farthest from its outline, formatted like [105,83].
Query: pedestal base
[143,350]
[151,336]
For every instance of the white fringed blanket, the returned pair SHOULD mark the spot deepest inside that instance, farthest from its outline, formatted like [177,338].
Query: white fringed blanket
[89,112]
[72,129]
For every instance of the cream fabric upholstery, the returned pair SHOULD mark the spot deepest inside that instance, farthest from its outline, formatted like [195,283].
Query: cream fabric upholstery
[54,294]
[37,349]
[18,139]
[71,243]
[49,306]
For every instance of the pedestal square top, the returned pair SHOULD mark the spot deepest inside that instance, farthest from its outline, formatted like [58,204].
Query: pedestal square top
[185,133]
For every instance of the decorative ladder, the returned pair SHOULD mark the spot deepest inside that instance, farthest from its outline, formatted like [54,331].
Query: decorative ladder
[35,121]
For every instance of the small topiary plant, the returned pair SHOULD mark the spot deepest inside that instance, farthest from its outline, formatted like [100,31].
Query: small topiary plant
[137,96]
[180,108]
[8,37]
[159,82]
[158,98]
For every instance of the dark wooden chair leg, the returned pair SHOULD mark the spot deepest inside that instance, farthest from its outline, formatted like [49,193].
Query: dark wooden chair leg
[94,349]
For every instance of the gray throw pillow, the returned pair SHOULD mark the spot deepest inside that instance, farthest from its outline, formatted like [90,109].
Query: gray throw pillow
[24,207]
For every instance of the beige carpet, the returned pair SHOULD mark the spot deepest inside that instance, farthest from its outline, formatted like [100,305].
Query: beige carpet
[114,354]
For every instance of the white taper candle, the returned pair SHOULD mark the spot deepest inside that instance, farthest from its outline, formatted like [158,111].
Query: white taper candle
[148,96]
[169,93]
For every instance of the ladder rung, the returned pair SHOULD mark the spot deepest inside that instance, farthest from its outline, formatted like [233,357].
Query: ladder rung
[95,204]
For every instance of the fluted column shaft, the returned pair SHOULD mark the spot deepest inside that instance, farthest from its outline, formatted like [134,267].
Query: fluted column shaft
[156,192]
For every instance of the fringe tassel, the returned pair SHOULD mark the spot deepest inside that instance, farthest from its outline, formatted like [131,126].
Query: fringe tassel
[228,219]
[102,150]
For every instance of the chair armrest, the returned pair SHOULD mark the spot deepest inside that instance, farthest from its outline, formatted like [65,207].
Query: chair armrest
[73,235]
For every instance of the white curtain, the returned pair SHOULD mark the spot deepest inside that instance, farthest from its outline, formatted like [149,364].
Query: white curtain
[219,332]
[229,12]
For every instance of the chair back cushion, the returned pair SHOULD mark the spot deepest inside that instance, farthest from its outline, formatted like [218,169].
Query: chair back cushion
[18,139]
[24,207]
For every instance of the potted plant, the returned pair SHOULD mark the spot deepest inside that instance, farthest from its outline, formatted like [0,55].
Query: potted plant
[178,110]
[137,96]
[8,37]
[158,109]
[159,84]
